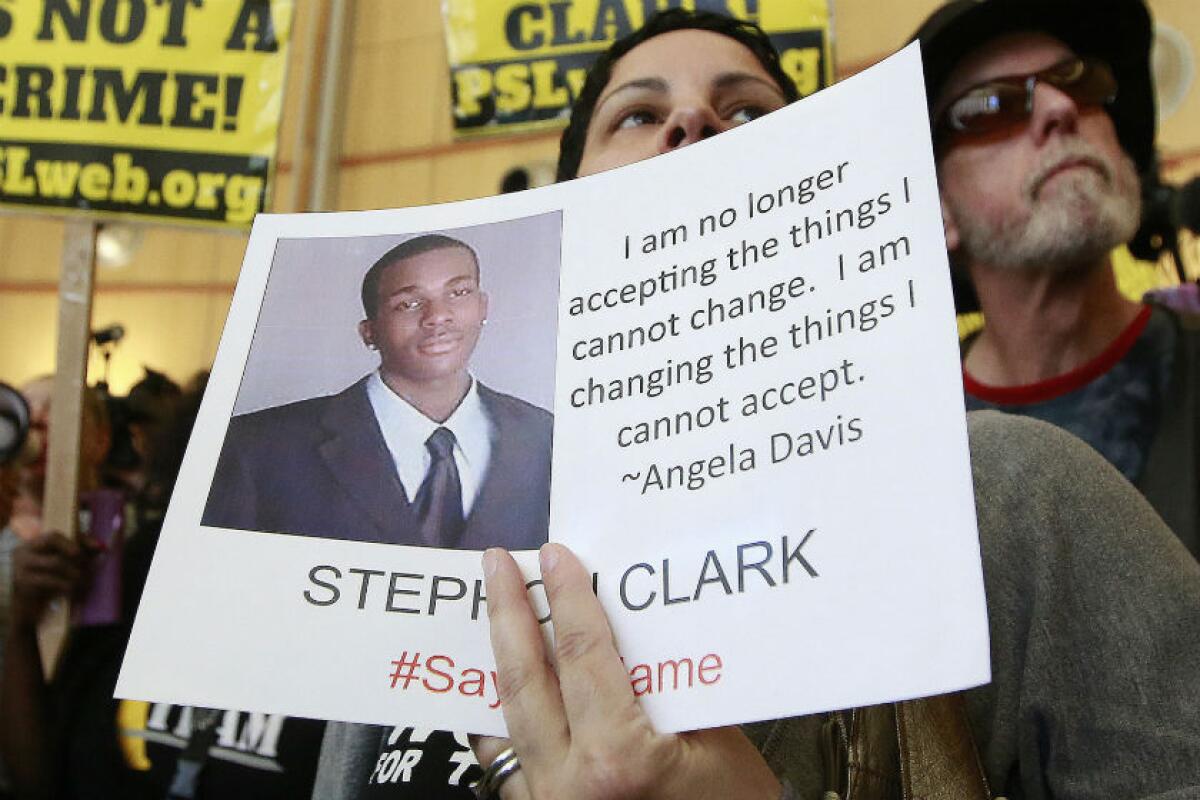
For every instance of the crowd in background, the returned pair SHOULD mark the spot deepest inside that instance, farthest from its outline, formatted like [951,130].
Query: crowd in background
[70,737]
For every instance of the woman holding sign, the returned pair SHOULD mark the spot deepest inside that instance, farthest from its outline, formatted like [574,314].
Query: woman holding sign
[1093,606]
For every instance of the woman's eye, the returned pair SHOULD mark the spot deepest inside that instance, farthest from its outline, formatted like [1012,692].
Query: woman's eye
[637,118]
[461,291]
[410,305]
[747,114]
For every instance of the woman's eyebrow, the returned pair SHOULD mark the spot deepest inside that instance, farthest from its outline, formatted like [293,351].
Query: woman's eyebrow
[731,79]
[650,83]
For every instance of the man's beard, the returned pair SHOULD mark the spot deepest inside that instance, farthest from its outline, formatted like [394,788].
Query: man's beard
[1066,228]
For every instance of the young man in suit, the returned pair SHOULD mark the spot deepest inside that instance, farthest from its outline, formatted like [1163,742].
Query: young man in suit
[417,452]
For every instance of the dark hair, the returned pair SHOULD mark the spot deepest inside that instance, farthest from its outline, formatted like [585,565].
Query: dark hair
[406,249]
[749,35]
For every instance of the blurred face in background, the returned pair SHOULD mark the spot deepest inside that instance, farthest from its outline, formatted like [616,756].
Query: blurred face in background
[95,438]
[38,393]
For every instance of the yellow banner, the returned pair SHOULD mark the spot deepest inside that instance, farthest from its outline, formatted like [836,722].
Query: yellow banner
[516,65]
[158,108]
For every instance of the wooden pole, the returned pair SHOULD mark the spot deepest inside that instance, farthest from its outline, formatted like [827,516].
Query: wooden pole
[329,118]
[298,195]
[60,506]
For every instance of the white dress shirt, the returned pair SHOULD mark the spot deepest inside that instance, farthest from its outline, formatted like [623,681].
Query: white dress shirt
[405,431]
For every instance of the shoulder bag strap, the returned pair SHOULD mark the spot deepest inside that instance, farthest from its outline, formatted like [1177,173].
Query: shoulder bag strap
[938,757]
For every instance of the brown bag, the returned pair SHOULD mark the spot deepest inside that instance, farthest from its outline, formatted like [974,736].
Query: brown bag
[913,750]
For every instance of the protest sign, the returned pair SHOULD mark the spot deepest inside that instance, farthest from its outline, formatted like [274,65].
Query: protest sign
[518,66]
[759,440]
[160,110]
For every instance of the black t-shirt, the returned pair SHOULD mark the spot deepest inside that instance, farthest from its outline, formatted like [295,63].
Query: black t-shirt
[129,749]
[109,748]
[1112,402]
[417,764]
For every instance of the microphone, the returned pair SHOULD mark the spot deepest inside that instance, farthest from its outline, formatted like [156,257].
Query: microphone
[110,335]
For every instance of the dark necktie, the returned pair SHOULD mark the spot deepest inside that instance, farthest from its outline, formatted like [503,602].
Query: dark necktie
[438,503]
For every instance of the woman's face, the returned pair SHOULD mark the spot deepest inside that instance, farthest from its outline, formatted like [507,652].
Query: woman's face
[673,90]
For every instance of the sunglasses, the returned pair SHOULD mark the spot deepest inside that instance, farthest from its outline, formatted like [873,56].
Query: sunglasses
[1007,101]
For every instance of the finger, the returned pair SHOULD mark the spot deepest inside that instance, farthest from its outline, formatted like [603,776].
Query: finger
[54,543]
[528,687]
[47,561]
[595,686]
[487,749]
[46,583]
[66,571]
[51,546]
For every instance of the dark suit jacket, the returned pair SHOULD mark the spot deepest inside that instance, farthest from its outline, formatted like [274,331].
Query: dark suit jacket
[320,467]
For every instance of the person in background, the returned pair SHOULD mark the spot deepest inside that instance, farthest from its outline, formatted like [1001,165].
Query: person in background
[137,421]
[95,441]
[70,739]
[10,484]
[26,475]
[1043,118]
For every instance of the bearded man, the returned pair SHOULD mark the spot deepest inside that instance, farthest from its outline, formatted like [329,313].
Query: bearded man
[1043,116]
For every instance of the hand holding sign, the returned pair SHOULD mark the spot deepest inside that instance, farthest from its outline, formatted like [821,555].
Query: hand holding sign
[579,731]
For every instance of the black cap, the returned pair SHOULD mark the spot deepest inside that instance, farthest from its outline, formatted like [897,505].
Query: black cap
[1117,31]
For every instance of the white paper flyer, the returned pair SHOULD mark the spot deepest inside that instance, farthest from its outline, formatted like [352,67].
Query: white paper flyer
[746,353]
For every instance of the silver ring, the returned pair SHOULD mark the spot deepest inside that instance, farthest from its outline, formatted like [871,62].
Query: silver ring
[505,764]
